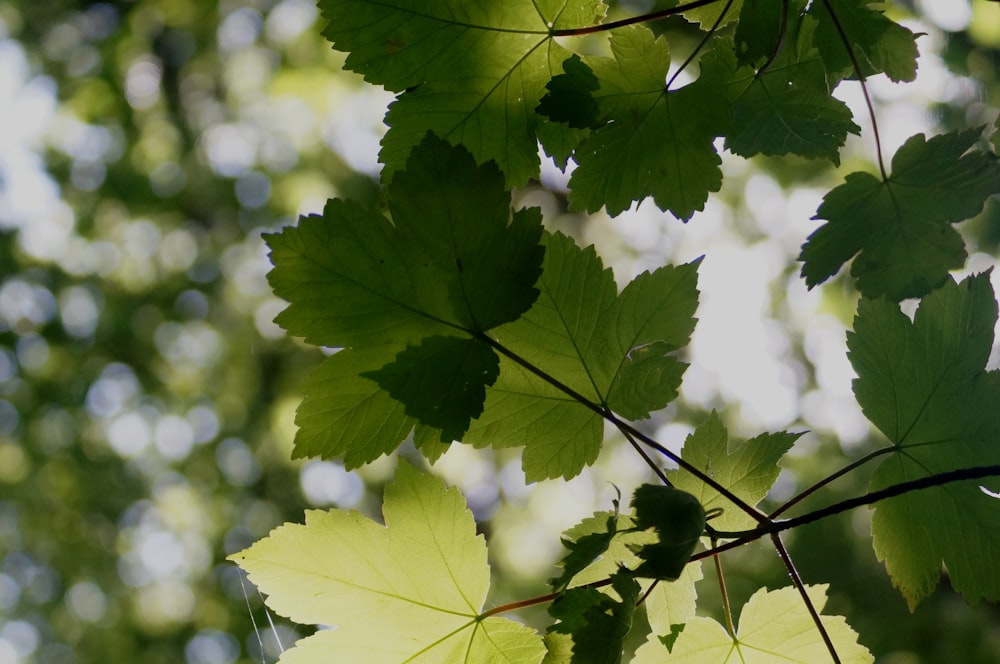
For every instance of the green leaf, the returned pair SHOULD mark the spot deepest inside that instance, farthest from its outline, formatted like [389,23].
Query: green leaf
[658,143]
[584,549]
[787,108]
[410,297]
[442,381]
[670,605]
[924,385]
[900,227]
[773,626]
[346,415]
[593,343]
[598,547]
[759,31]
[748,469]
[569,98]
[679,521]
[596,621]
[413,588]
[473,72]
[708,15]
[879,44]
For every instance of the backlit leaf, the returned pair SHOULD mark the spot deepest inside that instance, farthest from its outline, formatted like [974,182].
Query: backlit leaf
[924,385]
[658,143]
[773,626]
[411,297]
[747,469]
[472,72]
[410,590]
[878,43]
[594,343]
[900,228]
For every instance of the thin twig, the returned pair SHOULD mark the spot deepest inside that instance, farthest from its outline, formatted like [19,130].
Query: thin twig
[827,480]
[632,20]
[624,427]
[727,609]
[701,44]
[797,580]
[782,31]
[864,87]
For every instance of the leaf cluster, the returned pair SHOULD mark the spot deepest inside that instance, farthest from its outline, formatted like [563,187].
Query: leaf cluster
[454,318]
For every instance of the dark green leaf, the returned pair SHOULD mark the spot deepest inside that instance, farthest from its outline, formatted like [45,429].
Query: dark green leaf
[570,99]
[901,226]
[879,44]
[786,108]
[658,143]
[748,469]
[474,71]
[679,521]
[597,622]
[442,381]
[759,32]
[415,294]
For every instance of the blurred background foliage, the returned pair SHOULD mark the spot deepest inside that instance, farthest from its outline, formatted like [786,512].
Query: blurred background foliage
[147,400]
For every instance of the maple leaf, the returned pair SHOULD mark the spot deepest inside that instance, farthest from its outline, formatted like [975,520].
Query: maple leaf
[415,293]
[900,227]
[879,44]
[411,590]
[758,34]
[598,546]
[924,385]
[679,522]
[594,343]
[596,621]
[747,469]
[772,624]
[655,142]
[472,72]
[712,14]
[786,108]
[670,605]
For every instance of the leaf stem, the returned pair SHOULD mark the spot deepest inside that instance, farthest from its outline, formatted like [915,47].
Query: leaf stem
[840,473]
[624,427]
[645,457]
[797,580]
[632,20]
[701,44]
[869,498]
[772,528]
[782,32]
[864,87]
[727,609]
[531,601]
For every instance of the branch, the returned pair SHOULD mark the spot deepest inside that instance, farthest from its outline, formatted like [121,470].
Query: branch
[701,44]
[864,87]
[870,498]
[801,587]
[840,473]
[630,432]
[632,20]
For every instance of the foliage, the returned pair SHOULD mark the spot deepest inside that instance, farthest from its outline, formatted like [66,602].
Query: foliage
[451,322]
[146,399]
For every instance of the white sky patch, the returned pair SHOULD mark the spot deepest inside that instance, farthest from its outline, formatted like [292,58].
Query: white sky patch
[736,348]
[950,16]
